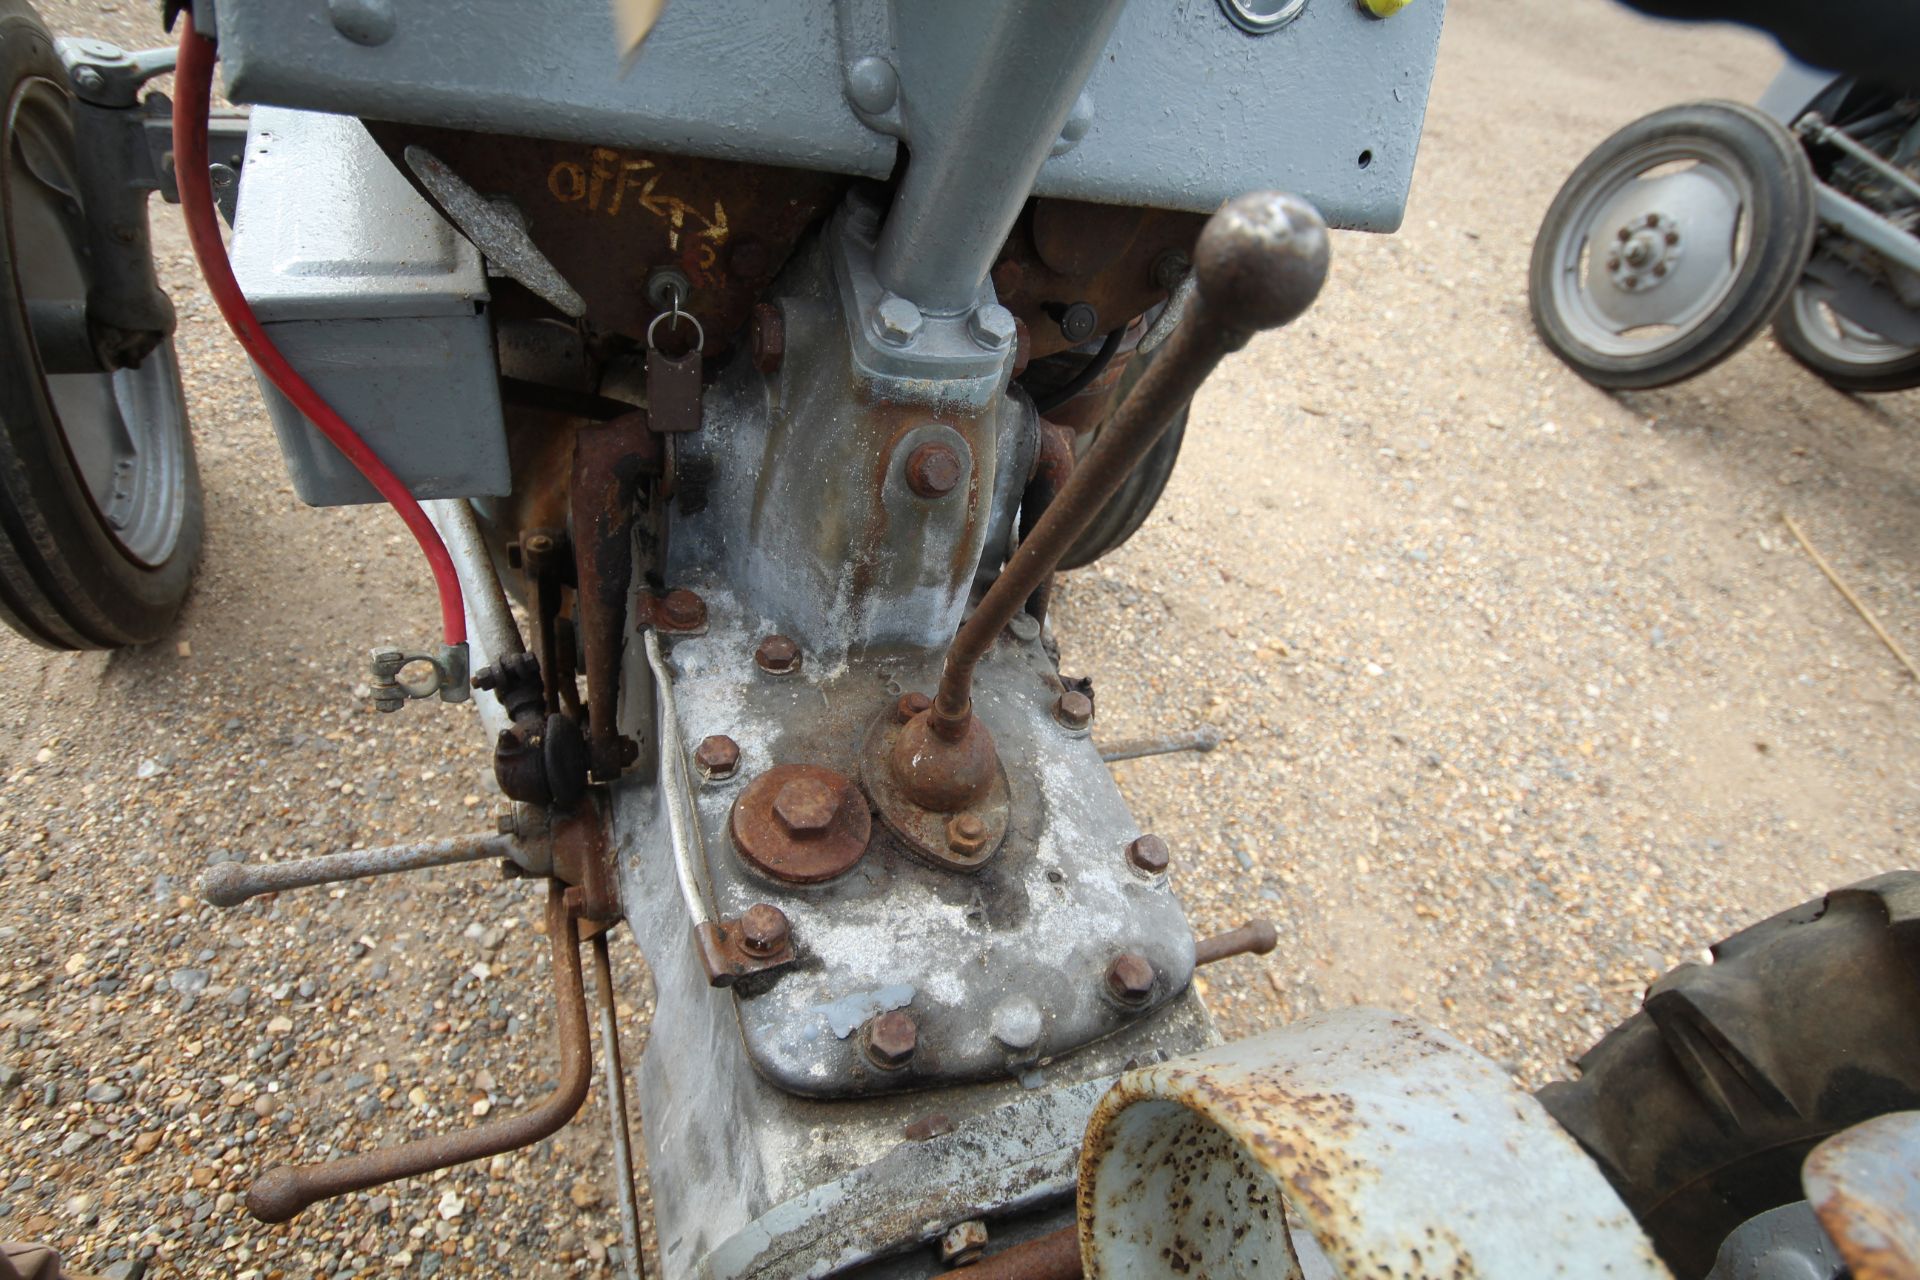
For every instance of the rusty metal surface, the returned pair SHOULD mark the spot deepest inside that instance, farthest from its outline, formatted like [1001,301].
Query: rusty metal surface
[928,831]
[1067,251]
[228,884]
[1054,1256]
[1139,748]
[1864,1183]
[1401,1151]
[612,465]
[732,949]
[801,824]
[282,1192]
[1255,937]
[1259,263]
[606,218]
[676,612]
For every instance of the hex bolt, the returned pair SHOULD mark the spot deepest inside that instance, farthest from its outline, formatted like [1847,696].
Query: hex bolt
[991,326]
[89,80]
[897,320]
[963,1242]
[768,336]
[1659,268]
[1170,268]
[934,470]
[966,834]
[777,655]
[910,705]
[1673,237]
[890,1040]
[806,806]
[1624,234]
[1653,219]
[716,757]
[683,609]
[1148,854]
[1130,978]
[764,929]
[1074,709]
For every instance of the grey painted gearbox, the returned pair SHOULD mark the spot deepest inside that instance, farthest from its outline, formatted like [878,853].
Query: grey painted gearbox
[1186,108]
[378,302]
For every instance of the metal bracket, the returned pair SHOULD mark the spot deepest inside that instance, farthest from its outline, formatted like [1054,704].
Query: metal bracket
[449,681]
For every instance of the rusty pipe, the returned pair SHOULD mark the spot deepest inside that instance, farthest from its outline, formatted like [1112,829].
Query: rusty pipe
[1258,264]
[1255,936]
[280,1193]
[1054,1256]
[228,884]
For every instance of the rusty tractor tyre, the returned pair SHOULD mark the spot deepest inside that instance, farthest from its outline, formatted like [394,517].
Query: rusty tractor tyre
[1701,1107]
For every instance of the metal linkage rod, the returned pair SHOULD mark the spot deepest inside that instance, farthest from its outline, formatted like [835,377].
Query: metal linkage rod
[231,883]
[1259,263]
[1139,748]
[280,1193]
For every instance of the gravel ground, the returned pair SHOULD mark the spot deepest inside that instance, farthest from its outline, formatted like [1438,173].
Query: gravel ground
[1527,696]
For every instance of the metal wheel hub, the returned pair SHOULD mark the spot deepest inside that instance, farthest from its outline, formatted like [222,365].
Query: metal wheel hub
[1646,253]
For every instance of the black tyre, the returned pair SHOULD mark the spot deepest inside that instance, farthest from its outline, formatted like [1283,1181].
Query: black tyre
[1701,1107]
[1848,356]
[1672,244]
[100,502]
[1140,492]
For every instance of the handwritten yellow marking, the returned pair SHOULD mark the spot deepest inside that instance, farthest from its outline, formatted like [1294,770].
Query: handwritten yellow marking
[603,183]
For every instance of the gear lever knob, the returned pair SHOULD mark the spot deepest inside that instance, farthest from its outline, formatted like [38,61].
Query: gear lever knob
[1260,262]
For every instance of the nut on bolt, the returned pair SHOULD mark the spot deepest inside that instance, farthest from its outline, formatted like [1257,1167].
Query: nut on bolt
[778,655]
[1148,854]
[1074,709]
[769,337]
[890,1040]
[806,806]
[963,1242]
[716,757]
[934,470]
[764,929]
[966,834]
[683,610]
[1130,978]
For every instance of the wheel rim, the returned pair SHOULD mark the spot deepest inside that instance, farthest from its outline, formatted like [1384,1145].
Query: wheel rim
[1654,245]
[1839,339]
[124,432]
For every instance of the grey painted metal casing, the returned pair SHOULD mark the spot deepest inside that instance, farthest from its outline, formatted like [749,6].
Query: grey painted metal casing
[1187,110]
[767,1183]
[378,302]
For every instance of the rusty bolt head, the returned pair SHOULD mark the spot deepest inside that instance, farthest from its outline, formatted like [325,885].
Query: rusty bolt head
[538,544]
[890,1040]
[764,929]
[1074,709]
[506,822]
[934,470]
[682,608]
[963,1243]
[1130,978]
[966,834]
[806,806]
[769,337]
[717,757]
[1673,237]
[1149,854]
[910,705]
[777,654]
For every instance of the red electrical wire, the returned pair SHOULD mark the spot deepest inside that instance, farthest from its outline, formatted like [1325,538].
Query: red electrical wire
[193,89]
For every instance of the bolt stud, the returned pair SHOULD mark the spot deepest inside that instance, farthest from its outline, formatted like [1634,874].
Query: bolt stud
[1130,978]
[716,757]
[777,655]
[890,1040]
[1148,854]
[1074,709]
[764,929]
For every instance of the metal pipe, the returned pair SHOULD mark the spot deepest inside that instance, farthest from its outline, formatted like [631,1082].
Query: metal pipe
[492,634]
[1857,222]
[985,91]
[683,826]
[280,1193]
[1054,1256]
[1256,936]
[231,883]
[1136,748]
[1832,136]
[1259,263]
[615,1074]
